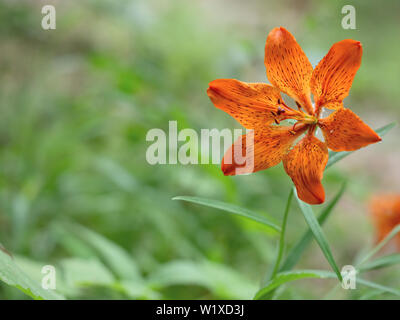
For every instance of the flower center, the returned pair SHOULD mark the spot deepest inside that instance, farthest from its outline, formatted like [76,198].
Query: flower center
[284,112]
[309,119]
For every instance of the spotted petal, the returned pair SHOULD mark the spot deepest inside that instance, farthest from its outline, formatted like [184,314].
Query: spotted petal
[333,76]
[259,150]
[288,67]
[305,164]
[343,130]
[251,104]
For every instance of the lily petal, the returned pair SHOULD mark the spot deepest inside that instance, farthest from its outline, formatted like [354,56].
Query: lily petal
[385,210]
[305,164]
[344,131]
[288,68]
[249,103]
[333,76]
[259,150]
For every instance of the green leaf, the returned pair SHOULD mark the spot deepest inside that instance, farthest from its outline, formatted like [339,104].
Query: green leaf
[219,279]
[295,253]
[80,272]
[231,209]
[378,286]
[318,234]
[116,258]
[75,274]
[287,276]
[282,235]
[380,245]
[12,275]
[137,290]
[116,173]
[382,262]
[336,156]
[371,294]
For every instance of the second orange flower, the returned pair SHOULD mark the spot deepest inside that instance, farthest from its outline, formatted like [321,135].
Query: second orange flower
[260,107]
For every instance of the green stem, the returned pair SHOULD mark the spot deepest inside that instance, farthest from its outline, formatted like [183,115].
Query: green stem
[282,236]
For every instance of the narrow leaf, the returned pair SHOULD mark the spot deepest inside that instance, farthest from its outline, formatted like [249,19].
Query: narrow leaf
[336,156]
[378,286]
[282,235]
[287,276]
[231,209]
[371,294]
[380,245]
[318,234]
[295,253]
[382,262]
[116,258]
[219,279]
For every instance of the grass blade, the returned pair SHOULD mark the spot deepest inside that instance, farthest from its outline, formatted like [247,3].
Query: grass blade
[382,262]
[219,279]
[318,234]
[378,286]
[295,253]
[282,235]
[380,245]
[287,276]
[336,156]
[231,209]
[115,257]
[371,294]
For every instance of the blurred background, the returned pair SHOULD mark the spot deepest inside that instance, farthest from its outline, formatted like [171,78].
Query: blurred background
[76,103]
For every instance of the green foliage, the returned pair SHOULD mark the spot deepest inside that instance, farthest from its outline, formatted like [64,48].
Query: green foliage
[116,258]
[231,209]
[382,262]
[295,253]
[380,245]
[12,275]
[318,234]
[218,279]
[287,276]
[282,235]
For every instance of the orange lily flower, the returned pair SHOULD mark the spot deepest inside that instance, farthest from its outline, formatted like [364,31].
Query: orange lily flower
[260,107]
[385,210]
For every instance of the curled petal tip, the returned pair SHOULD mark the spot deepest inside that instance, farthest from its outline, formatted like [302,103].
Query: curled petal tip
[227,170]
[212,90]
[277,33]
[377,138]
[351,42]
[212,85]
[356,43]
[319,199]
[312,197]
